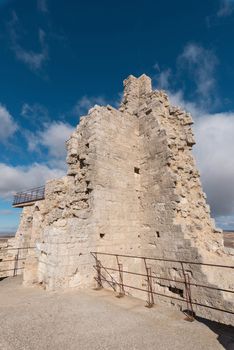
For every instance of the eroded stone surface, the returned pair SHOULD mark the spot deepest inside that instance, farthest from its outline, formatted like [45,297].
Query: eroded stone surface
[132,187]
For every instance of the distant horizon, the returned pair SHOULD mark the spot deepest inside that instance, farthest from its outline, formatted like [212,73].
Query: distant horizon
[3,234]
[12,234]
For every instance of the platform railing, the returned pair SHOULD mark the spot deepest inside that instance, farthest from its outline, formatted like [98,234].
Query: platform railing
[31,195]
[13,260]
[103,275]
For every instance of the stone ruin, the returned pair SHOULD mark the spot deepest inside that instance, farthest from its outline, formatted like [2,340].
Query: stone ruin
[132,187]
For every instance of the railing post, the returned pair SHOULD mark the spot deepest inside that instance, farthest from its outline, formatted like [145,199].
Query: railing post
[189,312]
[16,263]
[99,274]
[150,301]
[121,285]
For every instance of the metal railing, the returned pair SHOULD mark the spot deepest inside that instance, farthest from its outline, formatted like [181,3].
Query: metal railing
[13,259]
[31,195]
[104,275]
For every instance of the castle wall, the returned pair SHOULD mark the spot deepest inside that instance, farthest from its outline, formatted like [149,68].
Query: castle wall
[12,260]
[176,220]
[132,187]
[94,207]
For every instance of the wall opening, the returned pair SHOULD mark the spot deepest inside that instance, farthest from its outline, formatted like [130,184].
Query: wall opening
[176,291]
[136,170]
[82,164]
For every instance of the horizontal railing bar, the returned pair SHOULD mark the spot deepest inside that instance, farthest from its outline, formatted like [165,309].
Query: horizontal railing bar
[27,191]
[172,297]
[162,259]
[17,268]
[6,249]
[29,195]
[15,260]
[168,279]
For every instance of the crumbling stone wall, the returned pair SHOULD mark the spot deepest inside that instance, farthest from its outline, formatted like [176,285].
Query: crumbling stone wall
[176,219]
[132,187]
[94,206]
[12,260]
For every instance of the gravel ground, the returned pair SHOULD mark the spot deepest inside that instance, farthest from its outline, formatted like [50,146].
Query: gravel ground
[33,319]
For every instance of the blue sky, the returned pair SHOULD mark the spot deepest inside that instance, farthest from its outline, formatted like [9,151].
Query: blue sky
[59,58]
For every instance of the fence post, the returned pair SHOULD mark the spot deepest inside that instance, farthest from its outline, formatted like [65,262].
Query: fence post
[99,274]
[16,263]
[189,312]
[150,301]
[121,286]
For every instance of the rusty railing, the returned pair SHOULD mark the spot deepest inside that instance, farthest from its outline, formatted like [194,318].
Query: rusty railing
[31,195]
[14,259]
[103,274]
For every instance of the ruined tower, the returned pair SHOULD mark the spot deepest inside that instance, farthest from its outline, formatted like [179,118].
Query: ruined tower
[132,187]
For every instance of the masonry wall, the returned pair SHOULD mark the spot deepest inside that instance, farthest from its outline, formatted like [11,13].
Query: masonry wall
[12,260]
[176,220]
[94,207]
[132,187]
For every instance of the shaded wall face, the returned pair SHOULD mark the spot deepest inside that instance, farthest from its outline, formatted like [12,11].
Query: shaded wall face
[172,205]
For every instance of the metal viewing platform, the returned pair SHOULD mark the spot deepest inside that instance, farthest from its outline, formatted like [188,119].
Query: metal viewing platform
[28,197]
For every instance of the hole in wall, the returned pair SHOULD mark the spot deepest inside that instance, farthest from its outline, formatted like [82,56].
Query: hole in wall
[88,190]
[82,164]
[136,170]
[176,291]
[87,145]
[102,235]
[158,234]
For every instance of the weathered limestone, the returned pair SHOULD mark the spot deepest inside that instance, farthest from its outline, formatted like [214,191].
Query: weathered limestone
[132,187]
[12,260]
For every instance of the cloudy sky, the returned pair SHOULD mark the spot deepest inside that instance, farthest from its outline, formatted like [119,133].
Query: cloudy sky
[58,58]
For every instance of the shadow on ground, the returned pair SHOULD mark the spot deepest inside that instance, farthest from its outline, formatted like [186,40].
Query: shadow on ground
[2,278]
[225,333]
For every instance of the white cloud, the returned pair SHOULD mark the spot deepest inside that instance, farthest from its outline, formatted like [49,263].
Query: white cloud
[200,63]
[214,154]
[85,103]
[213,131]
[42,6]
[163,77]
[13,179]
[226,8]
[177,99]
[53,138]
[36,114]
[33,59]
[7,124]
